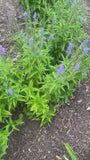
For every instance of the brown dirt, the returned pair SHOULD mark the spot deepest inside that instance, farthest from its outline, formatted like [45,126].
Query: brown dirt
[71,123]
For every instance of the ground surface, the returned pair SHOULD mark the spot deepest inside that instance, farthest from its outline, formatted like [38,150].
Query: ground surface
[71,123]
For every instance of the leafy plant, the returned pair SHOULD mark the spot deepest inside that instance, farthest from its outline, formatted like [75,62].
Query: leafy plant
[5,131]
[42,76]
[37,6]
[53,58]
[63,21]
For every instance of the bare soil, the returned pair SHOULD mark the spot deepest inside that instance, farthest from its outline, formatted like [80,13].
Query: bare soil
[71,123]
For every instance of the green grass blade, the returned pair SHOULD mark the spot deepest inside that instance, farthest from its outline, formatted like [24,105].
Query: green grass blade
[70,152]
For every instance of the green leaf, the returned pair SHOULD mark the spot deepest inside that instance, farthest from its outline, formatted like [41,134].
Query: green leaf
[6,113]
[70,152]
[65,158]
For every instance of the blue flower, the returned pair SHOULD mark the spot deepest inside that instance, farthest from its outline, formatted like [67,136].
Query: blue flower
[30,40]
[23,34]
[60,69]
[1,50]
[85,42]
[41,30]
[77,66]
[25,14]
[51,36]
[81,19]
[74,3]
[69,49]
[8,13]
[85,8]
[35,15]
[86,50]
[39,53]
[5,84]
[10,92]
[67,1]
[85,73]
[53,19]
[72,57]
[43,38]
[17,26]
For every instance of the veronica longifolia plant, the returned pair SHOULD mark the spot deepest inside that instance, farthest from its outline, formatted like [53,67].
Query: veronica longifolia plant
[43,73]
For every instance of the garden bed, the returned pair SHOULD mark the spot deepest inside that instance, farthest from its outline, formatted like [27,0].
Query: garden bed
[71,123]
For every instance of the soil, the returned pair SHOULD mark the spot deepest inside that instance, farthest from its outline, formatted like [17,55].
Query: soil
[71,123]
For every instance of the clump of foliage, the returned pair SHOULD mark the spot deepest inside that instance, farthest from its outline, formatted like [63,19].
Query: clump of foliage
[53,58]
[37,6]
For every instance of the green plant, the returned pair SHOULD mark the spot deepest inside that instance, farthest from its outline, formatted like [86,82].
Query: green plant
[52,61]
[63,21]
[42,76]
[37,6]
[8,126]
[70,152]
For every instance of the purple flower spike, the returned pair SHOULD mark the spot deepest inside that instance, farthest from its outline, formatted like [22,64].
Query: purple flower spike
[74,3]
[17,26]
[42,30]
[30,40]
[85,8]
[23,34]
[72,57]
[25,14]
[85,42]
[35,15]
[39,53]
[43,38]
[81,19]
[69,49]
[10,92]
[51,36]
[86,50]
[53,19]
[77,66]
[85,74]
[8,13]
[5,84]
[60,69]
[67,1]
[1,50]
